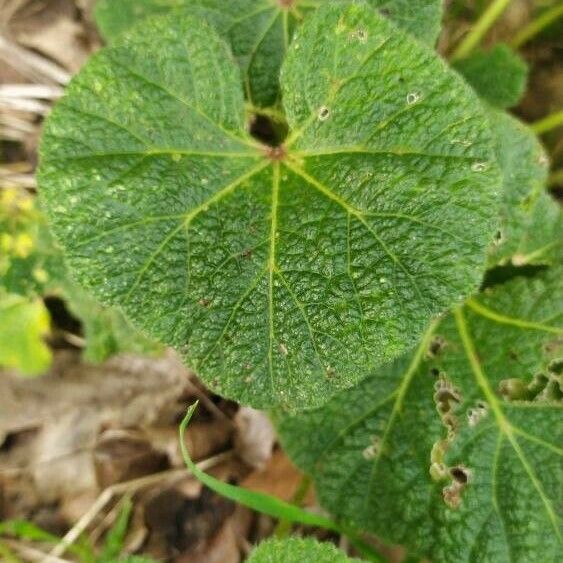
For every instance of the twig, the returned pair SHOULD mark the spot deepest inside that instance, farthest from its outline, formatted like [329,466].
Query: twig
[19,180]
[478,31]
[24,104]
[35,91]
[33,554]
[536,26]
[552,121]
[127,487]
[31,64]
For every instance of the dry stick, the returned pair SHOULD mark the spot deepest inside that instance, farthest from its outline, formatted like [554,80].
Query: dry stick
[108,520]
[536,26]
[35,91]
[33,554]
[24,104]
[483,24]
[127,487]
[31,64]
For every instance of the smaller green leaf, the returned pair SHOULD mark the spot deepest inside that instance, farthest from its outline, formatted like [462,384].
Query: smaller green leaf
[260,31]
[455,449]
[32,266]
[24,324]
[107,331]
[499,75]
[531,227]
[297,550]
[28,531]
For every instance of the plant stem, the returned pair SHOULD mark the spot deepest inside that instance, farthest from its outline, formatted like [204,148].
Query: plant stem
[555,177]
[483,24]
[552,121]
[536,26]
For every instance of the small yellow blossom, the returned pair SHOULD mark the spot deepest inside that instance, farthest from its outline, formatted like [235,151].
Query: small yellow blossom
[40,275]
[23,245]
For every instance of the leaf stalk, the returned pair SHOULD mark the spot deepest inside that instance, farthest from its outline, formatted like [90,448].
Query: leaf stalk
[483,24]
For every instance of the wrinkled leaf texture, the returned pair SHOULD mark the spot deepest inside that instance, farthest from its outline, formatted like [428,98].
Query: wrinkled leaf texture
[297,550]
[281,275]
[496,364]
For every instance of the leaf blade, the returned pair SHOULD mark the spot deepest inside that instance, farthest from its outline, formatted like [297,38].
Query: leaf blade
[505,454]
[258,272]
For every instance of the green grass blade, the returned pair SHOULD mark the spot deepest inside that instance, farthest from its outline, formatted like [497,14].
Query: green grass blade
[267,504]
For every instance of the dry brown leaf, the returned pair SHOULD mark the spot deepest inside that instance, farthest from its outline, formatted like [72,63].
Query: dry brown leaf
[255,437]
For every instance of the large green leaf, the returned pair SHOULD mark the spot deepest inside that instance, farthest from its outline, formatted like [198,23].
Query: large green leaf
[284,274]
[260,31]
[297,550]
[531,228]
[499,75]
[455,450]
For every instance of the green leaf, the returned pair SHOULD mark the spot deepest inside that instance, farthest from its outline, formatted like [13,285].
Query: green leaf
[297,550]
[531,228]
[40,272]
[107,332]
[282,275]
[29,531]
[260,31]
[24,324]
[115,538]
[466,432]
[499,75]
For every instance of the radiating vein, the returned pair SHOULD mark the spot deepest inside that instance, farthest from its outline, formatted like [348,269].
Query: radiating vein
[503,423]
[189,217]
[402,390]
[272,268]
[194,107]
[504,319]
[360,216]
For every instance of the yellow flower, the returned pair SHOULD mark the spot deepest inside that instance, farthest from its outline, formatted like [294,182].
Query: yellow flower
[23,245]
[8,196]
[6,242]
[25,203]
[40,275]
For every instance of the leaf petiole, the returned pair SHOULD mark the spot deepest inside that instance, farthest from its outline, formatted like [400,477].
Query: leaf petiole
[536,26]
[483,24]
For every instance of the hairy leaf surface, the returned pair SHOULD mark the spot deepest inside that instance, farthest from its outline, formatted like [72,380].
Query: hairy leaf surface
[499,75]
[283,274]
[466,432]
[531,227]
[297,550]
[260,31]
